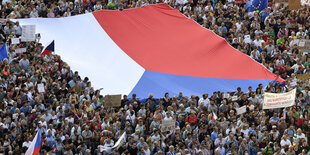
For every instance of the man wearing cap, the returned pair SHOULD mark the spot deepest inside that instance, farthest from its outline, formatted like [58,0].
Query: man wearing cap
[274,132]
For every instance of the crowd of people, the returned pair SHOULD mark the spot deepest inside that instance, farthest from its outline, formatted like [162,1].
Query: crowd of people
[72,118]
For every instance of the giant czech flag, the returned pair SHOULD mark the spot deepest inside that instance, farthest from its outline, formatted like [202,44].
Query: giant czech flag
[153,49]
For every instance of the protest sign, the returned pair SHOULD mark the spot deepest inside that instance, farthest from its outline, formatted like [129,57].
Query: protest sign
[112,100]
[303,76]
[28,33]
[20,50]
[306,48]
[41,88]
[226,95]
[279,100]
[247,39]
[302,43]
[3,21]
[294,4]
[167,125]
[234,98]
[15,41]
[241,110]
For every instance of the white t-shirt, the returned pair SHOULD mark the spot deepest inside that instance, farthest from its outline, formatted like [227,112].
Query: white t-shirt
[26,144]
[238,25]
[168,119]
[245,132]
[70,120]
[203,101]
[231,3]
[301,136]
[285,142]
[256,42]
[155,138]
[233,130]
[182,2]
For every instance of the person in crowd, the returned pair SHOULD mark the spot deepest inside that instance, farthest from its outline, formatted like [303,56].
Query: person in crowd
[73,119]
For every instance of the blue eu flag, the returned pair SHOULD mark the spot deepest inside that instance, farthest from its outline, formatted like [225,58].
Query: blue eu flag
[254,5]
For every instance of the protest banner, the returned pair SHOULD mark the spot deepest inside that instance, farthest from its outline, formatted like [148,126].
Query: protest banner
[15,41]
[28,33]
[112,100]
[167,125]
[279,100]
[241,110]
[41,88]
[303,76]
[20,50]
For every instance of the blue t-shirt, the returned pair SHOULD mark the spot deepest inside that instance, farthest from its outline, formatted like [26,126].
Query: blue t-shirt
[276,120]
[214,135]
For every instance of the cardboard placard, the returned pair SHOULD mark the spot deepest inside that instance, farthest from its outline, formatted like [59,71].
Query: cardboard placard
[303,76]
[112,100]
[167,125]
[294,4]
